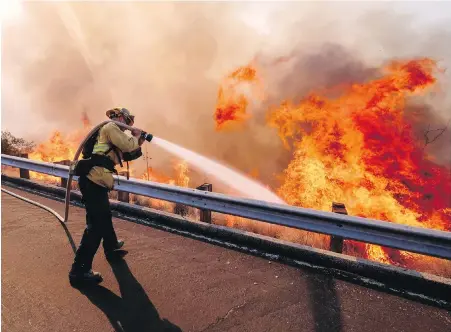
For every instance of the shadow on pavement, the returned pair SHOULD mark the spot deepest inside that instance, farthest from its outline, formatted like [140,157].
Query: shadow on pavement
[133,311]
[325,303]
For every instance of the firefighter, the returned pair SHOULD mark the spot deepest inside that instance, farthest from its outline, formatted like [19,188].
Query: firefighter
[110,145]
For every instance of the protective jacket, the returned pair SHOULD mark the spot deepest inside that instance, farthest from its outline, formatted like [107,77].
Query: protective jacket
[110,135]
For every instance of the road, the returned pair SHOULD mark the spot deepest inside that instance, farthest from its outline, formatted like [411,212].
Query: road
[171,283]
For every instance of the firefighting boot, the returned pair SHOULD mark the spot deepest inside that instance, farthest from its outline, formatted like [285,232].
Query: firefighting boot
[80,278]
[120,244]
[116,255]
[116,252]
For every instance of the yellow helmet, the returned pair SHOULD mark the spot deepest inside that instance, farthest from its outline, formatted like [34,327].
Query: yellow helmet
[116,112]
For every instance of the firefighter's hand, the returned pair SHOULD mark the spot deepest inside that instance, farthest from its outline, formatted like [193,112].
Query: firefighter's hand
[141,140]
[136,133]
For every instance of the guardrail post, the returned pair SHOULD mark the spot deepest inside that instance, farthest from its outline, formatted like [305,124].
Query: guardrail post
[123,196]
[336,242]
[180,209]
[24,173]
[205,215]
[66,162]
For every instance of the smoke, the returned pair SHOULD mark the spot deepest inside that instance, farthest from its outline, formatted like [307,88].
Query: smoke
[164,61]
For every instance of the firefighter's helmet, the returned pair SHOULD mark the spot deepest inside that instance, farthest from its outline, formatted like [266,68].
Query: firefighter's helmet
[117,112]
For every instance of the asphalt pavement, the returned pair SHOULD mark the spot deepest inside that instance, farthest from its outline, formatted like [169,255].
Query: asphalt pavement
[171,283]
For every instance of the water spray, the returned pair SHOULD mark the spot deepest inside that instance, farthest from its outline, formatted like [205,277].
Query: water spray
[234,179]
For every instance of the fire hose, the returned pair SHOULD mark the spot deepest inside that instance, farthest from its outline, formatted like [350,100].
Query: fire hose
[69,181]
[42,206]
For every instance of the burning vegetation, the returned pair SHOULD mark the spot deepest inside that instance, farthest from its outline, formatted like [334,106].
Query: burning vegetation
[358,148]
[58,148]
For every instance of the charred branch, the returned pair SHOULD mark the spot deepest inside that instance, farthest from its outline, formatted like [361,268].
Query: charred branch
[431,135]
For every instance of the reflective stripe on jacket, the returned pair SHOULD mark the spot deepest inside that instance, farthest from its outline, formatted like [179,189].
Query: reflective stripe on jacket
[109,135]
[101,148]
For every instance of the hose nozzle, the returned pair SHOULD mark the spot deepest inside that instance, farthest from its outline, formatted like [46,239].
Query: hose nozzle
[146,136]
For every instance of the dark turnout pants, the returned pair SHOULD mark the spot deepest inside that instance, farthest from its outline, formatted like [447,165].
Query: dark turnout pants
[99,225]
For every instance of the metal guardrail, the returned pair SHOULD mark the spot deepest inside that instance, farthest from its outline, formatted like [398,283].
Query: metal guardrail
[414,239]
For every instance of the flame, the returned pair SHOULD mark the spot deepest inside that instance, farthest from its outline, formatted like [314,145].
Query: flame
[151,175]
[59,147]
[85,120]
[255,173]
[180,178]
[232,104]
[56,149]
[359,149]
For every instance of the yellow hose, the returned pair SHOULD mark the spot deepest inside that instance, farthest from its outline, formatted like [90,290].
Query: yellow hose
[56,214]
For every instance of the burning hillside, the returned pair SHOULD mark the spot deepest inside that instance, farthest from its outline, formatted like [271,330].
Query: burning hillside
[358,148]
